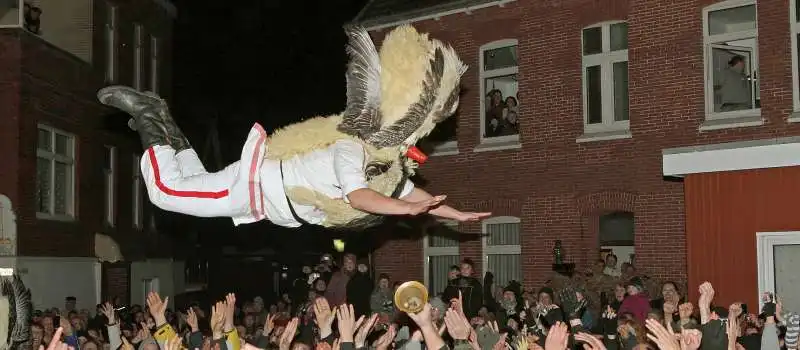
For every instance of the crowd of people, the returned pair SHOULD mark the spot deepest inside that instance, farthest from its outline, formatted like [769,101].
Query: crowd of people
[332,308]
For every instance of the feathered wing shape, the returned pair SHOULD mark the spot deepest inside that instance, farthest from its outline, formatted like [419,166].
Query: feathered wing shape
[361,117]
[395,134]
[21,329]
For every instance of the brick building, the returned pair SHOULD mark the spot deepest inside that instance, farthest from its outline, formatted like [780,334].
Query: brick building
[660,129]
[66,175]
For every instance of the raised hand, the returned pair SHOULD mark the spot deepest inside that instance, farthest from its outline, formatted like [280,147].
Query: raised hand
[360,339]
[269,325]
[690,339]
[191,320]
[126,345]
[230,311]
[324,317]
[664,338]
[56,343]
[423,318]
[288,334]
[685,311]
[217,319]
[386,340]
[457,325]
[347,323]
[173,343]
[158,308]
[557,337]
[590,342]
[108,311]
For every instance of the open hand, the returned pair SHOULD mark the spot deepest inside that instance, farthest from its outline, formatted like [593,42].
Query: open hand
[472,216]
[421,207]
[557,337]
[230,311]
[191,320]
[108,311]
[324,316]
[157,307]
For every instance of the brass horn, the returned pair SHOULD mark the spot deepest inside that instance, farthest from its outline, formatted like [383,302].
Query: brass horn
[411,297]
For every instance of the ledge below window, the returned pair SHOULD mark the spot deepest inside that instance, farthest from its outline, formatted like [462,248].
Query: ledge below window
[63,218]
[604,136]
[444,149]
[730,123]
[498,146]
[794,117]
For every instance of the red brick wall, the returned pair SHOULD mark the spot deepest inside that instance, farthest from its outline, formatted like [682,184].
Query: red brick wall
[558,186]
[40,83]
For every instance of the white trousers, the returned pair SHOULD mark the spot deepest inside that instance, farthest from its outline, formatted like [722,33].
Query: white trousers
[179,182]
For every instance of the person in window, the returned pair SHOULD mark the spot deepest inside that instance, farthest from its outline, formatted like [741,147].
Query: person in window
[733,86]
[611,266]
[510,114]
[470,288]
[494,113]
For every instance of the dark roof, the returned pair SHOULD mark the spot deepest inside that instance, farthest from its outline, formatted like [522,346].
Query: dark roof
[380,12]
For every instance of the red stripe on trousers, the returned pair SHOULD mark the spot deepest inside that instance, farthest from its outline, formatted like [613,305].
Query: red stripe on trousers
[187,194]
[253,163]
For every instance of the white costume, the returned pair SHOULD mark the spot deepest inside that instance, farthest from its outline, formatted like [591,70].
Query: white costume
[252,189]
[302,173]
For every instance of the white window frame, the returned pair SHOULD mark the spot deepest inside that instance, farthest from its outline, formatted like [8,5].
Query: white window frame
[154,59]
[429,251]
[152,284]
[487,250]
[52,157]
[708,68]
[794,28]
[112,47]
[494,73]
[765,249]
[138,195]
[138,56]
[605,60]
[111,188]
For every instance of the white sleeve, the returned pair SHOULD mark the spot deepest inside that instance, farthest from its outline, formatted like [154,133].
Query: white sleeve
[348,165]
[408,187]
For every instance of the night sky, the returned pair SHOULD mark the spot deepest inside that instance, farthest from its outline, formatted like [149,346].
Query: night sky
[270,61]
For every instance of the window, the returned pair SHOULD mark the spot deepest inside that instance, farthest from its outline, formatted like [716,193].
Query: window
[138,59]
[730,37]
[501,249]
[154,58]
[617,235]
[110,171]
[112,50]
[605,77]
[794,16]
[441,252]
[55,174]
[138,198]
[499,102]
[150,285]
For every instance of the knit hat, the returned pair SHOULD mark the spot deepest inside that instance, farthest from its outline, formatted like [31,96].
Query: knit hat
[636,282]
[546,290]
[438,304]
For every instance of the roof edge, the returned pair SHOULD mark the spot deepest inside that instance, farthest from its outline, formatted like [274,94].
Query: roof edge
[430,13]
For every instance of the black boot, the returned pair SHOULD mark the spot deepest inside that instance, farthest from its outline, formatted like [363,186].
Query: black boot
[176,138]
[145,109]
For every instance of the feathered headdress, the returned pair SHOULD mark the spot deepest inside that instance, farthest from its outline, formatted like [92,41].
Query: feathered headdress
[15,314]
[397,96]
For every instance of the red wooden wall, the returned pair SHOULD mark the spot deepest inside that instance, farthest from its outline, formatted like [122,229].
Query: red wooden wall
[724,211]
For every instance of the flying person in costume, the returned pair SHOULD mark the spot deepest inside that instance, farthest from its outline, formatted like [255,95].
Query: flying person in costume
[347,171]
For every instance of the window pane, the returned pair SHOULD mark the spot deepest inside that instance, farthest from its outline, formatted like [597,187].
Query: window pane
[797,11]
[619,36]
[594,95]
[502,109]
[731,77]
[445,131]
[442,241]
[732,20]
[438,267]
[61,188]
[503,57]
[63,145]
[45,140]
[592,40]
[505,267]
[43,187]
[620,91]
[503,234]
[787,276]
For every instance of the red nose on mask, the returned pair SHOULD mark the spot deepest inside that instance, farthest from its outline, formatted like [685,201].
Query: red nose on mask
[416,154]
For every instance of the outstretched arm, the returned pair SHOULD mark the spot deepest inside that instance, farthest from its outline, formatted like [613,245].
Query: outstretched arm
[443,211]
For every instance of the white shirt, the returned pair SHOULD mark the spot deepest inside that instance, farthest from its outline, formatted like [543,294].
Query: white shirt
[335,171]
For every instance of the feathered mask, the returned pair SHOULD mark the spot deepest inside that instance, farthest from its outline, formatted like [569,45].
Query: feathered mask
[397,96]
[15,314]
